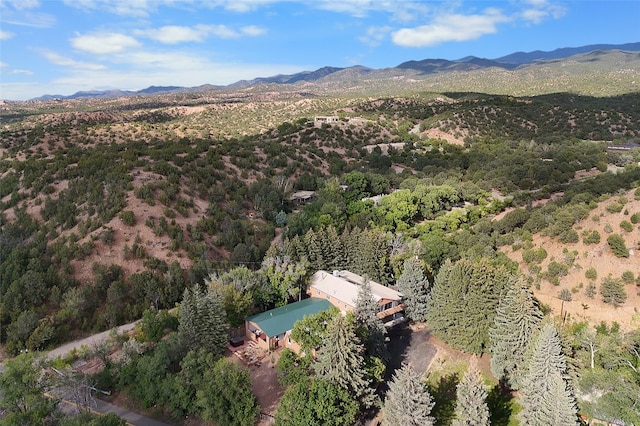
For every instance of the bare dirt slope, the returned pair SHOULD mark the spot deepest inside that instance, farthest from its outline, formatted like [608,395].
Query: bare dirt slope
[598,256]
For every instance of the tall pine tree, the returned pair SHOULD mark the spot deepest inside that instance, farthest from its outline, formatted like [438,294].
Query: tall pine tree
[340,360]
[464,299]
[202,320]
[517,320]
[471,402]
[546,394]
[408,402]
[365,313]
[415,288]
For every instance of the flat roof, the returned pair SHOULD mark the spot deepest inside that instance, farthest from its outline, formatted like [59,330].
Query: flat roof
[280,320]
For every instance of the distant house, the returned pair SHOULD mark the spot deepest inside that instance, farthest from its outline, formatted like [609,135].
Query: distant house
[341,289]
[302,197]
[326,119]
[272,329]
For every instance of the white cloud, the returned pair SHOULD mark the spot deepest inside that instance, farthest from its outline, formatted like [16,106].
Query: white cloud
[22,4]
[375,35]
[21,72]
[452,27]
[253,30]
[172,34]
[405,10]
[58,59]
[135,8]
[5,35]
[103,43]
[240,6]
[3,64]
[541,10]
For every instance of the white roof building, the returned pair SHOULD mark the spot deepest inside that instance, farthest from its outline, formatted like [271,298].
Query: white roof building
[341,289]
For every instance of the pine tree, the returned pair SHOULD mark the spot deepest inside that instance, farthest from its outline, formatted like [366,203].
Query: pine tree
[471,404]
[517,319]
[415,288]
[546,395]
[340,360]
[464,299]
[612,291]
[202,320]
[336,258]
[314,250]
[365,312]
[408,402]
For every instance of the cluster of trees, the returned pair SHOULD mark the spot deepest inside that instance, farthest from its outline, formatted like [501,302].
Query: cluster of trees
[178,365]
[478,307]
[344,360]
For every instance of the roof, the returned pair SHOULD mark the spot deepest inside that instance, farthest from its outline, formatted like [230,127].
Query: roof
[280,320]
[302,195]
[344,285]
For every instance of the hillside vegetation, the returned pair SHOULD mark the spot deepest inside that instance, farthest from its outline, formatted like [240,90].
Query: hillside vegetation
[110,207]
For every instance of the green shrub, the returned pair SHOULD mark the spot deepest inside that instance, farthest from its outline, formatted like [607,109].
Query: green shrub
[618,246]
[108,236]
[592,237]
[636,194]
[614,207]
[540,255]
[128,217]
[635,218]
[626,225]
[590,290]
[555,270]
[591,273]
[565,295]
[569,236]
[627,277]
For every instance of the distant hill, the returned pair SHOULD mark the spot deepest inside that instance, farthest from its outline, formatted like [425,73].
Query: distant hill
[520,58]
[469,63]
[409,69]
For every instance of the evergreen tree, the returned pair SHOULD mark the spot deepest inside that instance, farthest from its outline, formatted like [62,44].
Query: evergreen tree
[340,360]
[366,310]
[336,257]
[517,319]
[415,288]
[471,403]
[350,244]
[202,320]
[612,291]
[547,397]
[408,402]
[464,299]
[314,250]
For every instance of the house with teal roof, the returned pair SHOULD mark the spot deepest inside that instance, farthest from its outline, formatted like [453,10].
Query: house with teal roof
[272,329]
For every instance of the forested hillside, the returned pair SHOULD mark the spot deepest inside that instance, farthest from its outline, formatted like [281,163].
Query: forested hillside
[110,207]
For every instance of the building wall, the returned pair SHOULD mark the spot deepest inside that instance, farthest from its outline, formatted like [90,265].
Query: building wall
[261,340]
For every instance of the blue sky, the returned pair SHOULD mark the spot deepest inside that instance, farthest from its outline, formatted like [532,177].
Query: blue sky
[63,46]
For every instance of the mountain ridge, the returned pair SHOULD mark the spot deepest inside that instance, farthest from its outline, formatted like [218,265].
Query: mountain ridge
[414,67]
